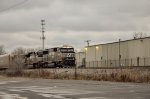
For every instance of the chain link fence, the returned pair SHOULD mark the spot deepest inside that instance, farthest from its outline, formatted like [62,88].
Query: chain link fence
[115,63]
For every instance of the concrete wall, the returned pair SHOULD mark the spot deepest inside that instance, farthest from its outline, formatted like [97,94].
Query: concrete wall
[108,54]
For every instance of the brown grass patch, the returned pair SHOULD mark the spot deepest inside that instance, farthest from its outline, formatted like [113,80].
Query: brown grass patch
[119,75]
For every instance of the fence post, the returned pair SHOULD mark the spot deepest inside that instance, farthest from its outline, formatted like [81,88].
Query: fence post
[110,63]
[75,74]
[138,61]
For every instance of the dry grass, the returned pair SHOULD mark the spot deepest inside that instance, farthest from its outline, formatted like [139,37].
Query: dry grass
[41,73]
[119,75]
[127,75]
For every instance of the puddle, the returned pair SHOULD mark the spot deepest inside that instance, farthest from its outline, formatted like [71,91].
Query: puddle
[53,96]
[52,92]
[6,82]
[4,95]
[96,98]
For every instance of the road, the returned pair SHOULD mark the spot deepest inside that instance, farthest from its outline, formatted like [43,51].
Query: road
[19,88]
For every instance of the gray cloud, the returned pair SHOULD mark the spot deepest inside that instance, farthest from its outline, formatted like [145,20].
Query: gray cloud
[72,21]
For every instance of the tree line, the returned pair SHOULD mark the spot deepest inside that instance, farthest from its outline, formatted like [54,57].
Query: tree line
[17,51]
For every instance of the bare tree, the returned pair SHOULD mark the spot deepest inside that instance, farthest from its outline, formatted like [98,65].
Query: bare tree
[17,66]
[137,35]
[2,50]
[19,51]
[31,50]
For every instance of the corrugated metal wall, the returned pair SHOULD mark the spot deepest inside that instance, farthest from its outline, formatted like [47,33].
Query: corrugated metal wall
[133,53]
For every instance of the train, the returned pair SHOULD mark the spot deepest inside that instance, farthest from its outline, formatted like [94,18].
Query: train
[57,57]
[5,61]
[8,60]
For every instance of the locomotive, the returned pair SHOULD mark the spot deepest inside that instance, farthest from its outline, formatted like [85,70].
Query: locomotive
[53,57]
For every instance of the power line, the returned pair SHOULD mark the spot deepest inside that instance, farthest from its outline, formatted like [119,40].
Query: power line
[13,6]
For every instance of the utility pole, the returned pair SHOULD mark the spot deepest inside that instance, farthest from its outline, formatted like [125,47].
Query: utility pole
[88,42]
[43,31]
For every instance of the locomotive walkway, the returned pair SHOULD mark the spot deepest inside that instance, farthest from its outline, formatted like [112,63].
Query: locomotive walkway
[72,89]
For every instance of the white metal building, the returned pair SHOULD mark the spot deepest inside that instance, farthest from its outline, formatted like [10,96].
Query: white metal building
[135,52]
[80,59]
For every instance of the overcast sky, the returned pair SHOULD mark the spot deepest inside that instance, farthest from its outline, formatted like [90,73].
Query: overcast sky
[71,21]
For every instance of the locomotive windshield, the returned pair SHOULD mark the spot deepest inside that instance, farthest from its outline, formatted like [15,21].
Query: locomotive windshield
[66,50]
[40,54]
[45,52]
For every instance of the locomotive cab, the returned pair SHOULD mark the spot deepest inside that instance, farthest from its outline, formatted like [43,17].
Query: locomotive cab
[68,56]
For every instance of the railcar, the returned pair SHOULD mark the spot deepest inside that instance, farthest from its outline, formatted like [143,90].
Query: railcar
[8,60]
[5,61]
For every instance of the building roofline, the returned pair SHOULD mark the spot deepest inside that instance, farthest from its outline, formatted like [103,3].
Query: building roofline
[118,41]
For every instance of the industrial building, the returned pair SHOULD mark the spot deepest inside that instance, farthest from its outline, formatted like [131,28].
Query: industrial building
[80,59]
[134,52]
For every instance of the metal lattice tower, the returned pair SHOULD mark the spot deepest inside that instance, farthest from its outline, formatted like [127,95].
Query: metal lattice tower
[43,31]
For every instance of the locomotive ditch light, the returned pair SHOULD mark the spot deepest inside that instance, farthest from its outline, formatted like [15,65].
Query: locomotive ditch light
[55,49]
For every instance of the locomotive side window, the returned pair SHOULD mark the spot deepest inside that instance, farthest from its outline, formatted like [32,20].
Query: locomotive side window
[28,55]
[40,54]
[63,50]
[45,52]
[55,49]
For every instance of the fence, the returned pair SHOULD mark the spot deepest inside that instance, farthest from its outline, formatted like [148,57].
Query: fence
[115,63]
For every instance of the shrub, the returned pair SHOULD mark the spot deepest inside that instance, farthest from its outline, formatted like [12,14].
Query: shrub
[16,68]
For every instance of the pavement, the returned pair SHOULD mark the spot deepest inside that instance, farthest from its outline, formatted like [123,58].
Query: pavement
[22,88]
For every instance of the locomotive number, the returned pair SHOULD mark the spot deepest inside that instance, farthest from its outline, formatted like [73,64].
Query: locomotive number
[69,55]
